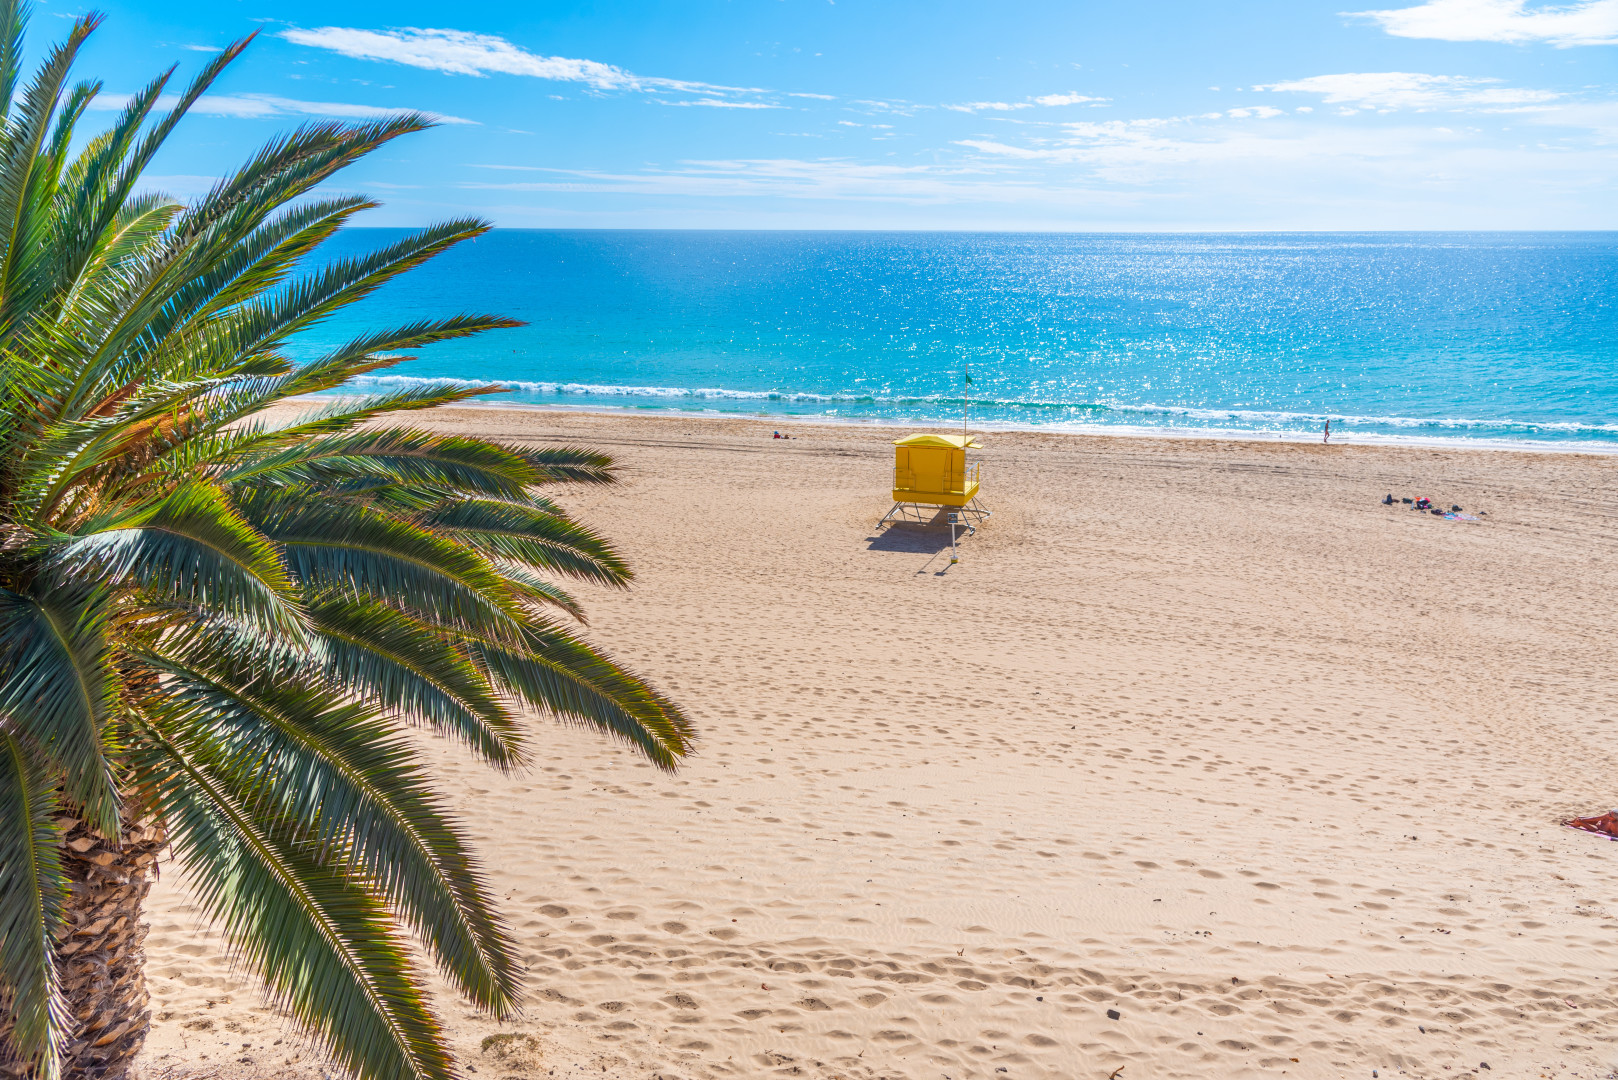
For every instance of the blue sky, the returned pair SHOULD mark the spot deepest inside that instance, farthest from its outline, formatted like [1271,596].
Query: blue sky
[1153,114]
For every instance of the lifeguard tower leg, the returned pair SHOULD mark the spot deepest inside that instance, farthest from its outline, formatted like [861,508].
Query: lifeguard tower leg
[976,511]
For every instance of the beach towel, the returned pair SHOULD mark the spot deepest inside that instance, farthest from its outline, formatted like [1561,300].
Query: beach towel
[1461,517]
[1605,825]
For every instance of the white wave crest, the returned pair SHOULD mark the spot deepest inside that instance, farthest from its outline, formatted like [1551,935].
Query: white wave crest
[602,390]
[1044,412]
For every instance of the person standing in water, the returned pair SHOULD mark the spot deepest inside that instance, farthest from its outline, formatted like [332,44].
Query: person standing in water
[1325,436]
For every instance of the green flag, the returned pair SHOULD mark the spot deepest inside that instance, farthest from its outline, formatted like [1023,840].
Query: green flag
[969,374]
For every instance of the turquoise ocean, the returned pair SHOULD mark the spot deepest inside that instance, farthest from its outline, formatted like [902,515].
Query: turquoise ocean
[1479,338]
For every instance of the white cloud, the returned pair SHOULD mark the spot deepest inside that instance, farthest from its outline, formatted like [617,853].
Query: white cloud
[458,52]
[1408,157]
[1146,151]
[897,108]
[1048,100]
[718,103]
[1587,22]
[988,106]
[1409,90]
[262,106]
[1150,151]
[817,97]
[1012,106]
[990,146]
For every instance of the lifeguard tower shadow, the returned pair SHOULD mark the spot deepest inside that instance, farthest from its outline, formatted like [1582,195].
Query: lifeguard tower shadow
[916,537]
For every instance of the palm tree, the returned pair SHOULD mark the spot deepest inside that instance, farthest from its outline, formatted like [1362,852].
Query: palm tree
[217,623]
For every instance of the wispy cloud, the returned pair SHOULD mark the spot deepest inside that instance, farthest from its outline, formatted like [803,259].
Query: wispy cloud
[989,106]
[459,52]
[1122,150]
[896,108]
[1588,22]
[1148,152]
[1389,90]
[1047,100]
[1239,150]
[1066,99]
[719,103]
[260,106]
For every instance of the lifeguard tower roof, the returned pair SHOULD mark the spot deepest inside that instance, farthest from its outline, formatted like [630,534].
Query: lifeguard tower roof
[954,442]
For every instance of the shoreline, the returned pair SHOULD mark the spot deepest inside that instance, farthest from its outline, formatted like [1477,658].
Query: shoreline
[1123,431]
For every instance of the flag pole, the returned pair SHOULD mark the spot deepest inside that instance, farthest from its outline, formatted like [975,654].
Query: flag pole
[966,397]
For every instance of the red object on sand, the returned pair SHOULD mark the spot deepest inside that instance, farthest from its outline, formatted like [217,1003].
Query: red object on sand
[1606,824]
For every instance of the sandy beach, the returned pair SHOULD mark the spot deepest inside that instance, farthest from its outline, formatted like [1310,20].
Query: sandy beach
[1201,763]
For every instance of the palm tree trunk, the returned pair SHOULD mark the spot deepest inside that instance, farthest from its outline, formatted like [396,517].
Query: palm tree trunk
[99,949]
[99,954]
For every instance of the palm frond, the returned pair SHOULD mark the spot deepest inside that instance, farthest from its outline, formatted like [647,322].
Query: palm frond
[350,548]
[193,547]
[555,671]
[396,456]
[324,945]
[542,539]
[571,464]
[26,182]
[57,689]
[283,171]
[32,890]
[13,20]
[380,654]
[293,753]
[379,349]
[346,281]
[534,590]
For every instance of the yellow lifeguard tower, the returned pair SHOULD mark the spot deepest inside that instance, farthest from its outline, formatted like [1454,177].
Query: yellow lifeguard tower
[932,470]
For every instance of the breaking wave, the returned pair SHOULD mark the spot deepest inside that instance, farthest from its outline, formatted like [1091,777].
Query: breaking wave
[1008,412]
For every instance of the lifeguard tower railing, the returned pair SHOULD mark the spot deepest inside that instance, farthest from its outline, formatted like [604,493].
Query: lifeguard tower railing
[956,481]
